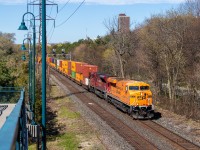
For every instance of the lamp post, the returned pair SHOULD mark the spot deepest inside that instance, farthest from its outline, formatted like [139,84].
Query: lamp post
[23,48]
[23,27]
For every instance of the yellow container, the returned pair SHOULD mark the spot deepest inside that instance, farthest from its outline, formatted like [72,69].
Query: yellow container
[52,65]
[65,71]
[73,66]
[79,77]
[65,64]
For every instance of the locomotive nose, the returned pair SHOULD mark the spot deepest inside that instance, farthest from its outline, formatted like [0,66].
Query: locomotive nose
[143,99]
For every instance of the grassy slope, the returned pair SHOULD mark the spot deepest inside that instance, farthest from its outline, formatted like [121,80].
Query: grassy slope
[74,132]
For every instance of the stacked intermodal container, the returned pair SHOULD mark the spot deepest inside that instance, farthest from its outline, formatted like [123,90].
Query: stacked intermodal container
[51,61]
[65,67]
[79,71]
[86,71]
[60,66]
[73,69]
[79,68]
[55,62]
[69,68]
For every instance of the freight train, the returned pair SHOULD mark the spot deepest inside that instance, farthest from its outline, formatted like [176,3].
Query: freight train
[132,97]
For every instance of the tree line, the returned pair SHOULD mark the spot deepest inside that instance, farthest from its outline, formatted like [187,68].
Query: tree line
[164,51]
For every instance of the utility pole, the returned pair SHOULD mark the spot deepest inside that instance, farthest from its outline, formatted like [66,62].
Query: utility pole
[43,74]
[39,17]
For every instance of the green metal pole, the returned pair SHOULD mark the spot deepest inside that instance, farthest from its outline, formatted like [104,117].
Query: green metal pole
[44,74]
[34,79]
[30,78]
[31,83]
[33,61]
[30,74]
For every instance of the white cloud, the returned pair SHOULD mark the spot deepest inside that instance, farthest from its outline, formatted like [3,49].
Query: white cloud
[101,2]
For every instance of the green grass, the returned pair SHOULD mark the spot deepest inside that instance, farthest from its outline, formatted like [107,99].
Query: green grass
[68,141]
[61,100]
[32,147]
[65,113]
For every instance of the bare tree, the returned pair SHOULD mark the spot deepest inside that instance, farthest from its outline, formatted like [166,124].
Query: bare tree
[191,7]
[165,36]
[121,42]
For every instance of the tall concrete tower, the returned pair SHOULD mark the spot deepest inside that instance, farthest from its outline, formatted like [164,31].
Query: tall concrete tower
[123,23]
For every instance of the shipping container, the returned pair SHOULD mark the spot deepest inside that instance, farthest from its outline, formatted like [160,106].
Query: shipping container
[73,66]
[73,74]
[88,69]
[69,65]
[65,64]
[65,71]
[69,72]
[60,63]
[79,77]
[52,65]
[79,66]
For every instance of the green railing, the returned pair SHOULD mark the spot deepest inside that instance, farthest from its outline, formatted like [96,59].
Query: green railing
[13,134]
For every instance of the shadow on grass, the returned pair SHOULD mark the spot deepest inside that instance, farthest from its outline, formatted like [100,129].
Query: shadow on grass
[67,95]
[53,128]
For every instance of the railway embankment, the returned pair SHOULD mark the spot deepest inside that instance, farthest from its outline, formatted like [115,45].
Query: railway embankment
[163,142]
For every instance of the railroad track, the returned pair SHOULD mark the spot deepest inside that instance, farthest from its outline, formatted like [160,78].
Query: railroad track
[173,138]
[134,138]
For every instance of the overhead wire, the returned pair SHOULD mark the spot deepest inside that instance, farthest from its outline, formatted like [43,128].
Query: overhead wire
[64,6]
[68,17]
[52,28]
[71,14]
[50,13]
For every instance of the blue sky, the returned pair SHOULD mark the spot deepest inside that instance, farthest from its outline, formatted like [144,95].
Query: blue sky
[88,20]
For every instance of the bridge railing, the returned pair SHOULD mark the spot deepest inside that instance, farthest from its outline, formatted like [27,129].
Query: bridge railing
[13,134]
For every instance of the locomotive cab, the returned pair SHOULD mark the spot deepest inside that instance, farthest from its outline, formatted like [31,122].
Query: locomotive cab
[134,97]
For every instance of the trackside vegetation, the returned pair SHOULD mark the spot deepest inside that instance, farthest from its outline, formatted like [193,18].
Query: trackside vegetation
[163,51]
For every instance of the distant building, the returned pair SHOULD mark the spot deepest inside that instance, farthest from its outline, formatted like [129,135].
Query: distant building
[123,23]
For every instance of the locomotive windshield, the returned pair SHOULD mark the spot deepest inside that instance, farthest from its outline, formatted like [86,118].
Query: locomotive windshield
[144,87]
[139,88]
[133,87]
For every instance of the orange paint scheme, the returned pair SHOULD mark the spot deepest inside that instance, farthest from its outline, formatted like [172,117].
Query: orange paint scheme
[130,92]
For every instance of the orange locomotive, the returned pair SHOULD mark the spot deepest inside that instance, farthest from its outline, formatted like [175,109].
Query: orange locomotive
[133,97]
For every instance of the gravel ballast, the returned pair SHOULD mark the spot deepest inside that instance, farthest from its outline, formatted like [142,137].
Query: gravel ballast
[109,137]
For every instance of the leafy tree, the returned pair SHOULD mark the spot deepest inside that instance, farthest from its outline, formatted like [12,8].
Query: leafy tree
[5,76]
